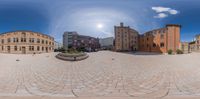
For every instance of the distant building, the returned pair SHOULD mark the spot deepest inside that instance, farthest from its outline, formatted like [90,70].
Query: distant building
[106,43]
[126,39]
[192,46]
[185,47]
[68,39]
[195,45]
[58,45]
[197,42]
[161,40]
[26,42]
[80,42]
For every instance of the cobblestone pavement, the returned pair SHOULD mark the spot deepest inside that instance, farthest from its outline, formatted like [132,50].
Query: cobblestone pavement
[103,75]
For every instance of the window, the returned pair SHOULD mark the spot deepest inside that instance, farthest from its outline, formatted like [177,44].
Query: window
[31,40]
[147,39]
[162,44]
[154,45]
[38,48]
[38,40]
[2,41]
[2,48]
[9,40]
[15,48]
[46,49]
[46,42]
[31,48]
[8,48]
[42,48]
[17,40]
[42,41]
[23,39]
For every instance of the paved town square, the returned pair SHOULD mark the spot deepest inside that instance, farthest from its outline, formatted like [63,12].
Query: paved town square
[104,74]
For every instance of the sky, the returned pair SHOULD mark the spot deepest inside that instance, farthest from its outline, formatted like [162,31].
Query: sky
[97,18]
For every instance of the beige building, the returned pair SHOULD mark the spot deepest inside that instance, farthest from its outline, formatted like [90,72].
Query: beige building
[25,42]
[126,39]
[185,47]
[194,46]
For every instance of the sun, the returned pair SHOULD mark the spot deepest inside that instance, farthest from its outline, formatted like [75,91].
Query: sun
[99,26]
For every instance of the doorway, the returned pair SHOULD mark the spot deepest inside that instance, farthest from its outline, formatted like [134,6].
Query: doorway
[8,48]
[23,50]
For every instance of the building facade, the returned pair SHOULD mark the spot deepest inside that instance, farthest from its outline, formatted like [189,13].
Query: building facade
[80,42]
[195,45]
[25,42]
[57,45]
[107,43]
[126,39]
[68,39]
[185,47]
[161,40]
[197,42]
[192,46]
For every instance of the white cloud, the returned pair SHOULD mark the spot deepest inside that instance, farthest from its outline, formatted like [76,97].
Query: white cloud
[163,12]
[160,9]
[161,15]
[173,12]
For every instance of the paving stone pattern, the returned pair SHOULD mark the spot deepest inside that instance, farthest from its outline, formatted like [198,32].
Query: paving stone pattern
[103,74]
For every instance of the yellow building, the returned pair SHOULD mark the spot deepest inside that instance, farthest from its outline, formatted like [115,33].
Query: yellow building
[126,39]
[25,42]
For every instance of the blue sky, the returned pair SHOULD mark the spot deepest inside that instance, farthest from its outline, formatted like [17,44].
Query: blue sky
[53,17]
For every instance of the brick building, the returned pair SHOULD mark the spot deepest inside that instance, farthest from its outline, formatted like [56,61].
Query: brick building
[161,40]
[25,42]
[158,40]
[126,39]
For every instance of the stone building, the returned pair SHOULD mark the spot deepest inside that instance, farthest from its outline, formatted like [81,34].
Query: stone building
[126,39]
[80,42]
[25,42]
[161,40]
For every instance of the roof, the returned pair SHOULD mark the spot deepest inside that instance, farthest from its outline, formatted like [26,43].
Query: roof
[25,31]
[174,25]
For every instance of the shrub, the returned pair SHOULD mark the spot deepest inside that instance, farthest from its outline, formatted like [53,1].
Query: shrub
[178,51]
[170,52]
